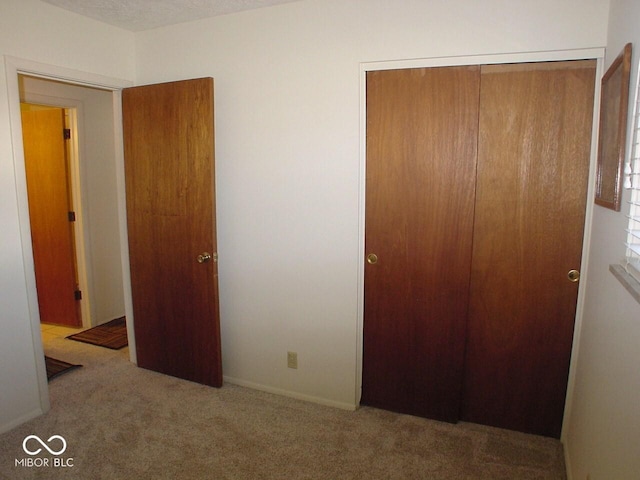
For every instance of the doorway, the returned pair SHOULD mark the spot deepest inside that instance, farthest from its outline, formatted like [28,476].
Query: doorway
[94,191]
[99,276]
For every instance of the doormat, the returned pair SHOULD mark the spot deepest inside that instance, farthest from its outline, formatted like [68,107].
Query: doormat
[111,335]
[57,367]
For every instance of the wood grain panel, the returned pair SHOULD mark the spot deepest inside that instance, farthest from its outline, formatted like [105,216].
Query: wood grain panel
[169,169]
[421,153]
[533,161]
[49,205]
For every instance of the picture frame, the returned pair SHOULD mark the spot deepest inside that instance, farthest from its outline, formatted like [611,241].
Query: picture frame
[614,106]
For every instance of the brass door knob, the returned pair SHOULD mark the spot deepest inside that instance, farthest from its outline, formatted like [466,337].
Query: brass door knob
[372,259]
[204,257]
[573,275]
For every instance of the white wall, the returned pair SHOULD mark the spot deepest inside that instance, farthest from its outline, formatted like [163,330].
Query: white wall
[98,189]
[602,433]
[32,30]
[287,85]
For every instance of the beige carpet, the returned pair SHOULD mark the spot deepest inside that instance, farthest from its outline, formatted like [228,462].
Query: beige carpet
[121,422]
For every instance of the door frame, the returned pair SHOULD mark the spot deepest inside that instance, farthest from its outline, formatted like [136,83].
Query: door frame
[544,56]
[17,66]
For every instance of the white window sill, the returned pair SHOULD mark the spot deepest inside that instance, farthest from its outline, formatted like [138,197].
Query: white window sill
[630,283]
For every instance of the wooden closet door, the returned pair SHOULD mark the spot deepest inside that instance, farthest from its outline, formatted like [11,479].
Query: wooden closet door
[421,156]
[533,161]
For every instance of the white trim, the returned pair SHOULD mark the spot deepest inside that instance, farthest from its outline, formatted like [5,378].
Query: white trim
[586,247]
[287,393]
[21,419]
[122,227]
[544,56]
[67,75]
[631,261]
[74,117]
[15,66]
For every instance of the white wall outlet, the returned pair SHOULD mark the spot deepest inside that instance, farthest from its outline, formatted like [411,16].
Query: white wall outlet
[292,359]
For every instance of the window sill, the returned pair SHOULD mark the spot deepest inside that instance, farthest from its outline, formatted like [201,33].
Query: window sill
[630,283]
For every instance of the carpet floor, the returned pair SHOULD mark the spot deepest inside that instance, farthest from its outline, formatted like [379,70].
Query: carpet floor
[123,422]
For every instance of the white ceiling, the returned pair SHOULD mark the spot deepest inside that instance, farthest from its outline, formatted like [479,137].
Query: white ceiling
[138,15]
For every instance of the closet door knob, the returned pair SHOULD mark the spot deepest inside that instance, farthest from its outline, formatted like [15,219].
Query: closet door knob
[372,259]
[573,275]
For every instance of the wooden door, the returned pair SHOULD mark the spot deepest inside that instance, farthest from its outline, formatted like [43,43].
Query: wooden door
[169,170]
[420,185]
[533,161]
[49,206]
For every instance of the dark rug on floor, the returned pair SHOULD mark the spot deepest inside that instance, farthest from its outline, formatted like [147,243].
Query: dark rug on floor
[112,335]
[57,367]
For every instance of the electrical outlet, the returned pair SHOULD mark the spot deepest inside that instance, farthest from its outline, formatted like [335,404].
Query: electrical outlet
[292,359]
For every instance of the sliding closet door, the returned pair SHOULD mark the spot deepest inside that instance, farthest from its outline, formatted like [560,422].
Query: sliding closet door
[533,160]
[421,155]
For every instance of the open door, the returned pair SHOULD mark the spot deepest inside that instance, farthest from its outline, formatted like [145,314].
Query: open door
[169,171]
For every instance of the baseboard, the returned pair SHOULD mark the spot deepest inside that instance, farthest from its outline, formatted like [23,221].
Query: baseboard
[20,420]
[290,394]
[567,462]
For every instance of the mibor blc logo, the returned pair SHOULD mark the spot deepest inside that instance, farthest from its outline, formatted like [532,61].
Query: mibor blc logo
[33,445]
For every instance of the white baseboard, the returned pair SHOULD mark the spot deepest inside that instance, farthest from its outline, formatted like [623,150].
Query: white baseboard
[567,462]
[20,420]
[290,394]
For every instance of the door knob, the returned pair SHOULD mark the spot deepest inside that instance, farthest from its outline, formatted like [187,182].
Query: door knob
[204,257]
[573,275]
[372,259]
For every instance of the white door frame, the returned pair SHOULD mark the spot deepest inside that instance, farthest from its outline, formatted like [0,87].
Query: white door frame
[14,67]
[556,55]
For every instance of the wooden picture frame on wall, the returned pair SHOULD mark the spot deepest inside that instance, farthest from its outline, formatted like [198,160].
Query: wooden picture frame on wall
[614,106]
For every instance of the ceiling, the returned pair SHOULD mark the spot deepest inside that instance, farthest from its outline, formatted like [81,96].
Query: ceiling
[138,15]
